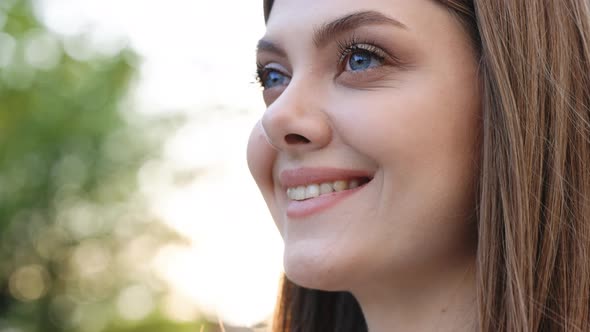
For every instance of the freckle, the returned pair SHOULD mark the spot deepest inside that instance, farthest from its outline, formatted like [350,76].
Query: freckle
[444,311]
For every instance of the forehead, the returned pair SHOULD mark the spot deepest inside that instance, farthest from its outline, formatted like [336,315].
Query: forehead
[302,15]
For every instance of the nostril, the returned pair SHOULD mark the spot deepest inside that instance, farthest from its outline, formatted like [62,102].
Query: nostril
[296,139]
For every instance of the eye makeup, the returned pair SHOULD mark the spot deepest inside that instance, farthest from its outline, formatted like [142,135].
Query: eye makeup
[357,59]
[271,75]
[371,62]
[354,43]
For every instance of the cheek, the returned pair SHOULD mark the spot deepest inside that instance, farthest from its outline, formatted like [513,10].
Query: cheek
[388,126]
[424,139]
[412,126]
[261,158]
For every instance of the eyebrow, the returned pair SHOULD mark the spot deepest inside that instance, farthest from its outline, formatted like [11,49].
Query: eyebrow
[331,30]
[350,22]
[268,46]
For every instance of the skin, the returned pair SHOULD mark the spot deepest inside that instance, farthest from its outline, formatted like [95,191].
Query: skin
[404,245]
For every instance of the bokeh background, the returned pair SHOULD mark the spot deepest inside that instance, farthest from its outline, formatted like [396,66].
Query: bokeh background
[125,199]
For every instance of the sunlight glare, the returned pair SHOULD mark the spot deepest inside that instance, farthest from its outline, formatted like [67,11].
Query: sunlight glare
[192,63]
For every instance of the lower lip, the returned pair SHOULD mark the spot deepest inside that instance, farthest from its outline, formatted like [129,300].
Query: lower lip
[301,209]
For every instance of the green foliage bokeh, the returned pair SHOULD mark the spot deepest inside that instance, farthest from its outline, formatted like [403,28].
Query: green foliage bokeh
[69,211]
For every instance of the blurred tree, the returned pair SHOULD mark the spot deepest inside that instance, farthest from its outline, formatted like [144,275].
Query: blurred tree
[75,238]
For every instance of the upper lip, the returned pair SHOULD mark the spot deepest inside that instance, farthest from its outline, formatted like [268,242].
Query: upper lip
[306,176]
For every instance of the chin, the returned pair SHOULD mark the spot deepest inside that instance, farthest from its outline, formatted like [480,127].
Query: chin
[319,269]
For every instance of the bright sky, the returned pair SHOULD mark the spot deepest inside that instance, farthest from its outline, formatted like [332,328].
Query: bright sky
[198,60]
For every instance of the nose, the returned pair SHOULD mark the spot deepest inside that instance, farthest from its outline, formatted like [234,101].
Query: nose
[296,121]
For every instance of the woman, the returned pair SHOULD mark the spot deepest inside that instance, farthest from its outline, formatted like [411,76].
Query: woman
[427,163]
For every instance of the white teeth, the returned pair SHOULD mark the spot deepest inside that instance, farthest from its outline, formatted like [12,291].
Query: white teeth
[299,193]
[314,190]
[326,188]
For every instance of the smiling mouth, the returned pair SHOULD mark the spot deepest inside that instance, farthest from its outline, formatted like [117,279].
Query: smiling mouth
[304,192]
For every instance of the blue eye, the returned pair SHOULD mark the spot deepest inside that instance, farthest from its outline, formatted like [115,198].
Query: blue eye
[362,60]
[270,78]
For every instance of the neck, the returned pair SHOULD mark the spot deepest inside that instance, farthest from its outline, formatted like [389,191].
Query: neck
[441,299]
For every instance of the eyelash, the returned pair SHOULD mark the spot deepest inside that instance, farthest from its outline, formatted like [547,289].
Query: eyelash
[346,47]
[261,72]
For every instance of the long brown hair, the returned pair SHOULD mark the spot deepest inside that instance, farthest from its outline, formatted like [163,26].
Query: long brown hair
[533,259]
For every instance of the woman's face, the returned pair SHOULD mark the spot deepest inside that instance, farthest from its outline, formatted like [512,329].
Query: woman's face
[367,152]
